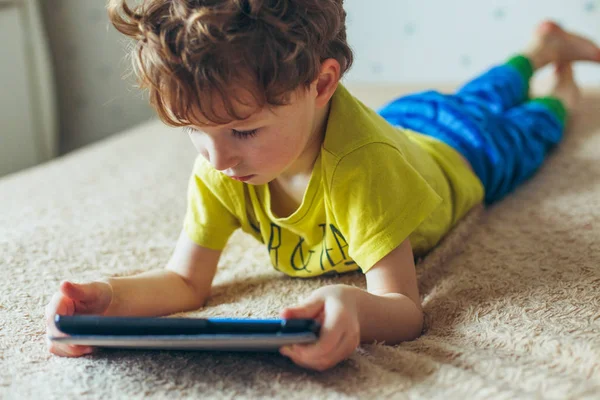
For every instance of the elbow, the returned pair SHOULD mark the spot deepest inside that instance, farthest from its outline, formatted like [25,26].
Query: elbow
[196,303]
[412,328]
[411,331]
[420,324]
[196,298]
[413,319]
[199,299]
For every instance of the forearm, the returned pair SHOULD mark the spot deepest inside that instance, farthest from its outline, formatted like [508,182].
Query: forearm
[392,318]
[153,293]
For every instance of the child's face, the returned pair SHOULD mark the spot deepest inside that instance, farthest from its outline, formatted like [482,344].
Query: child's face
[268,144]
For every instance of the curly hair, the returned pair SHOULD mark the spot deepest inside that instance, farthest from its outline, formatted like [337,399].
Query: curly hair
[191,54]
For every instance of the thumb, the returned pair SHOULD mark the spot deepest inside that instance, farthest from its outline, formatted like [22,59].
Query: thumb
[76,291]
[310,308]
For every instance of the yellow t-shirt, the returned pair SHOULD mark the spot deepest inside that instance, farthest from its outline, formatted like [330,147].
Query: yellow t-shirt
[372,186]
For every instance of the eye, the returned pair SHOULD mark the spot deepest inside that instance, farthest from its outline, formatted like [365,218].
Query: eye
[189,130]
[244,134]
[236,133]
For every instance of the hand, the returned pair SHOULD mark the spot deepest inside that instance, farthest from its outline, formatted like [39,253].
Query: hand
[72,298]
[335,308]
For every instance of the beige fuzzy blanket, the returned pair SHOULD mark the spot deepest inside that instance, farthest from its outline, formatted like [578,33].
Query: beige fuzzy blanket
[515,314]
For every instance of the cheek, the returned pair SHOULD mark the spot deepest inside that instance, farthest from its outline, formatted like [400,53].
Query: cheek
[278,153]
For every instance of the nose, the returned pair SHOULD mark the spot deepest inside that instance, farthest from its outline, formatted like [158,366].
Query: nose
[221,155]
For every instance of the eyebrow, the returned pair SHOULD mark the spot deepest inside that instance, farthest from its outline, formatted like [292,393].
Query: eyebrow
[253,119]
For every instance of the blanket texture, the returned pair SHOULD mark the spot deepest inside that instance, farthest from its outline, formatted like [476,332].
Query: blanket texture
[511,296]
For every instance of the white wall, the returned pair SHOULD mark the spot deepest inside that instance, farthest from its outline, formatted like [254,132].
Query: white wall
[414,41]
[94,99]
[448,41]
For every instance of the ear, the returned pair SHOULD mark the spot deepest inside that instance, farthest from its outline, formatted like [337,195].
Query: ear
[327,82]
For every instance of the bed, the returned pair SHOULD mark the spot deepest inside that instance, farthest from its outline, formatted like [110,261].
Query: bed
[511,296]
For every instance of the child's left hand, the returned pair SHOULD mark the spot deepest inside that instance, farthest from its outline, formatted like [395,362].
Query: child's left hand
[335,308]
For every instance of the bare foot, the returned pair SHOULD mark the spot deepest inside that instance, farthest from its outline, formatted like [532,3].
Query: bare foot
[566,88]
[552,44]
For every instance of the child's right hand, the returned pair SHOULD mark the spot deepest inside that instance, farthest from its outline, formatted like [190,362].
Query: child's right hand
[72,298]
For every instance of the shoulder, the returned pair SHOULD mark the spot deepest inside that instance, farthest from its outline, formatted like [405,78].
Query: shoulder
[368,163]
[359,139]
[352,126]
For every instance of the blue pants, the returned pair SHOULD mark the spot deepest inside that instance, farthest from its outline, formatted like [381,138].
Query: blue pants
[491,122]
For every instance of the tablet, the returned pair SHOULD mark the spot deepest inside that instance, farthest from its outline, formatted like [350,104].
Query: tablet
[185,333]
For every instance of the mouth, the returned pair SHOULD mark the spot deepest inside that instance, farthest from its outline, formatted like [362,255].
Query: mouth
[242,178]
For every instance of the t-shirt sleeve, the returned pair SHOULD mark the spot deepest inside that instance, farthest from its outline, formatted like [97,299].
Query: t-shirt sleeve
[378,199]
[208,221]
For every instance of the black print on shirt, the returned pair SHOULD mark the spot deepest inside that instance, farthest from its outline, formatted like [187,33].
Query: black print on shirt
[301,256]
[341,245]
[297,260]
[275,242]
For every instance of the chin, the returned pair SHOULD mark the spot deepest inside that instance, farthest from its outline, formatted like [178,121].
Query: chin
[261,180]
[255,181]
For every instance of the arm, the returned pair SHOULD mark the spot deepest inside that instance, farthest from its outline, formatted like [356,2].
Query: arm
[390,310]
[184,284]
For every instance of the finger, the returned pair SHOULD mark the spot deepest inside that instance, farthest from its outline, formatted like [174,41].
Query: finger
[85,296]
[321,317]
[331,330]
[313,355]
[344,349]
[329,338]
[80,349]
[75,291]
[321,363]
[58,305]
[65,350]
[309,309]
[62,305]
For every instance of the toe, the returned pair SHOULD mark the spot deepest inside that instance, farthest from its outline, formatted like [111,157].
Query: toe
[548,27]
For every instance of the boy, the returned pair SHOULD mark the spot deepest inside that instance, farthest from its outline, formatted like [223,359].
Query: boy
[326,184]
